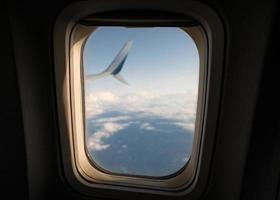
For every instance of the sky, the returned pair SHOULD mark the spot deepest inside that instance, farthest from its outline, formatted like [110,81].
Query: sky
[166,58]
[152,116]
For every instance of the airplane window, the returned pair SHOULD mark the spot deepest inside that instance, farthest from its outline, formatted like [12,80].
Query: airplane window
[140,99]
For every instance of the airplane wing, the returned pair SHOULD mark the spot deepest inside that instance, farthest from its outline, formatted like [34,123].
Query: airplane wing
[97,76]
[117,63]
[120,78]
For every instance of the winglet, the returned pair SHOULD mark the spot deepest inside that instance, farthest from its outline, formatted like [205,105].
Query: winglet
[120,78]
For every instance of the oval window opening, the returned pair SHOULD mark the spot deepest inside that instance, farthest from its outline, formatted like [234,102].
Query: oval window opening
[140,87]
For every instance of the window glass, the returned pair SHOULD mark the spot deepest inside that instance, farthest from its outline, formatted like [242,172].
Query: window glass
[141,88]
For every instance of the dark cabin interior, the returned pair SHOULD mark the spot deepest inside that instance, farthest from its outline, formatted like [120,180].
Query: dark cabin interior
[245,163]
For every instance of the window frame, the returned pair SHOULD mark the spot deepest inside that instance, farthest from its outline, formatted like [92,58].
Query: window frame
[196,32]
[93,173]
[67,100]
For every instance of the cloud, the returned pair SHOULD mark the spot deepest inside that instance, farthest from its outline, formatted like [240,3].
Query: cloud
[95,141]
[147,126]
[186,125]
[178,108]
[97,103]
[113,119]
[102,96]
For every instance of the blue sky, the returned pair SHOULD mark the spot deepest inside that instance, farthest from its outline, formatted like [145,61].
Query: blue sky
[153,117]
[162,60]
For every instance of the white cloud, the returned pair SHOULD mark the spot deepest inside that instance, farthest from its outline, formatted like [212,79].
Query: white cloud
[186,125]
[180,108]
[176,106]
[183,124]
[147,126]
[102,96]
[95,141]
[96,103]
[113,119]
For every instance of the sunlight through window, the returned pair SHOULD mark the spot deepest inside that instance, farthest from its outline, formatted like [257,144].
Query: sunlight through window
[141,89]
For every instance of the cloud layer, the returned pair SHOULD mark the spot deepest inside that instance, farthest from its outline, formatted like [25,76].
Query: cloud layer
[178,108]
[177,105]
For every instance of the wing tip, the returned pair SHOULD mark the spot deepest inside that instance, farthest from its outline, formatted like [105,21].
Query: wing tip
[121,79]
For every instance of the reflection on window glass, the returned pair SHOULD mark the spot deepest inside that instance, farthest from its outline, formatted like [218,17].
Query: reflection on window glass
[141,89]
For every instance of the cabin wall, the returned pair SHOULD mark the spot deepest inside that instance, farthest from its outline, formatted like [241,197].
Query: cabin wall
[245,163]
